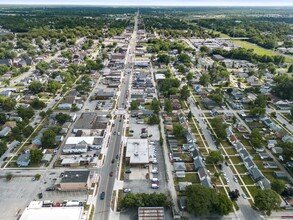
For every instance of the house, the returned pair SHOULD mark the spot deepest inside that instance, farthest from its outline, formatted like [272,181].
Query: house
[46,158]
[270,165]
[264,156]
[271,144]
[217,57]
[237,94]
[248,163]
[287,138]
[283,105]
[244,154]
[209,103]
[255,174]
[5,131]
[182,185]
[198,163]
[64,106]
[253,81]
[280,174]
[65,127]
[179,166]
[277,150]
[23,160]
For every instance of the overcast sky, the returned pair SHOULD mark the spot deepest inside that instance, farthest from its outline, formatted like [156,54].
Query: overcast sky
[156,2]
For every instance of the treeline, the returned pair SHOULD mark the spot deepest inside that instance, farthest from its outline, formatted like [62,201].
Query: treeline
[249,55]
[264,33]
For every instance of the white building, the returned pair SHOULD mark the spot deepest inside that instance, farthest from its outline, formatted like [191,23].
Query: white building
[137,151]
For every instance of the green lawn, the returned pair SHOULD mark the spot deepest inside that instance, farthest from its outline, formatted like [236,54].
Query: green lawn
[247,180]
[253,190]
[241,169]
[231,151]
[192,177]
[258,50]
[236,159]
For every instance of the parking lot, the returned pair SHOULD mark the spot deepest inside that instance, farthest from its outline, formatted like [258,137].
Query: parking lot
[153,130]
[137,181]
[20,191]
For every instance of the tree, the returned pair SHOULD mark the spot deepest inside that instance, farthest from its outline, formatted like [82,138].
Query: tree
[168,106]
[43,114]
[189,116]
[163,58]
[155,105]
[184,93]
[2,118]
[290,69]
[48,139]
[234,195]
[42,66]
[8,176]
[27,131]
[189,76]
[53,86]
[37,104]
[3,147]
[178,130]
[278,186]
[25,113]
[36,87]
[3,69]
[205,79]
[134,105]
[267,200]
[36,156]
[283,87]
[62,118]
[8,104]
[256,139]
[199,200]
[288,150]
[219,127]
[215,157]
[224,205]
[154,119]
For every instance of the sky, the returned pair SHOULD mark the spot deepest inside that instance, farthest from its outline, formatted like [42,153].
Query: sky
[155,2]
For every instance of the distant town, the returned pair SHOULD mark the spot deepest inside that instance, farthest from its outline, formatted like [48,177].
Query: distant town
[149,113]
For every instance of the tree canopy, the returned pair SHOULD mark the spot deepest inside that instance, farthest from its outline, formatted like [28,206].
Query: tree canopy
[267,200]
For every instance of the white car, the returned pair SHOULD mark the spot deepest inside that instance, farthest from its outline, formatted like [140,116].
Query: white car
[154,171]
[244,196]
[126,190]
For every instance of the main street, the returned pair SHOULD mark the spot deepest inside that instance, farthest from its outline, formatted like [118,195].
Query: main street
[103,207]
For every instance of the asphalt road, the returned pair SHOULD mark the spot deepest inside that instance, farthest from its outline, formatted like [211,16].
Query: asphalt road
[102,207]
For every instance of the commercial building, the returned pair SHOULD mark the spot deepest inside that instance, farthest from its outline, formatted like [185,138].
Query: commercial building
[74,180]
[36,211]
[90,121]
[137,152]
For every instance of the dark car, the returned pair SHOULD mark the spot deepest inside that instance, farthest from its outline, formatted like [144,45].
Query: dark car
[113,160]
[5,158]
[102,196]
[128,171]
[117,156]
[40,195]
[50,188]
[111,173]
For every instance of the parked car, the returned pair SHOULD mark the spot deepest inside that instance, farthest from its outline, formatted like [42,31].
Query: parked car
[244,196]
[117,156]
[111,173]
[50,188]
[155,186]
[40,195]
[113,160]
[126,190]
[128,171]
[154,171]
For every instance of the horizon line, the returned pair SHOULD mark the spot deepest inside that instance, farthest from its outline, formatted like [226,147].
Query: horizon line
[141,5]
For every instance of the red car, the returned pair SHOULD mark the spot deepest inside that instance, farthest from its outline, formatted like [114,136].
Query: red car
[111,173]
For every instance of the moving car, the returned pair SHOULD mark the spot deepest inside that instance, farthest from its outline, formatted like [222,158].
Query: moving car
[102,196]
[40,195]
[52,188]
[118,133]
[244,196]
[111,173]
[113,160]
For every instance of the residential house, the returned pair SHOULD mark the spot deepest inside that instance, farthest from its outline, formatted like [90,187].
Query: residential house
[277,150]
[179,166]
[183,185]
[5,131]
[23,160]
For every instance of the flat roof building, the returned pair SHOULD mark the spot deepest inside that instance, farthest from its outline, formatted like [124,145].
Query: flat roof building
[36,211]
[137,151]
[90,121]
[151,213]
[74,180]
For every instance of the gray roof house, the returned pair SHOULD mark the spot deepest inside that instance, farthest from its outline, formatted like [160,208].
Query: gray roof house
[5,131]
[23,160]
[255,174]
[244,154]
[183,185]
[198,163]
[248,163]
[179,166]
